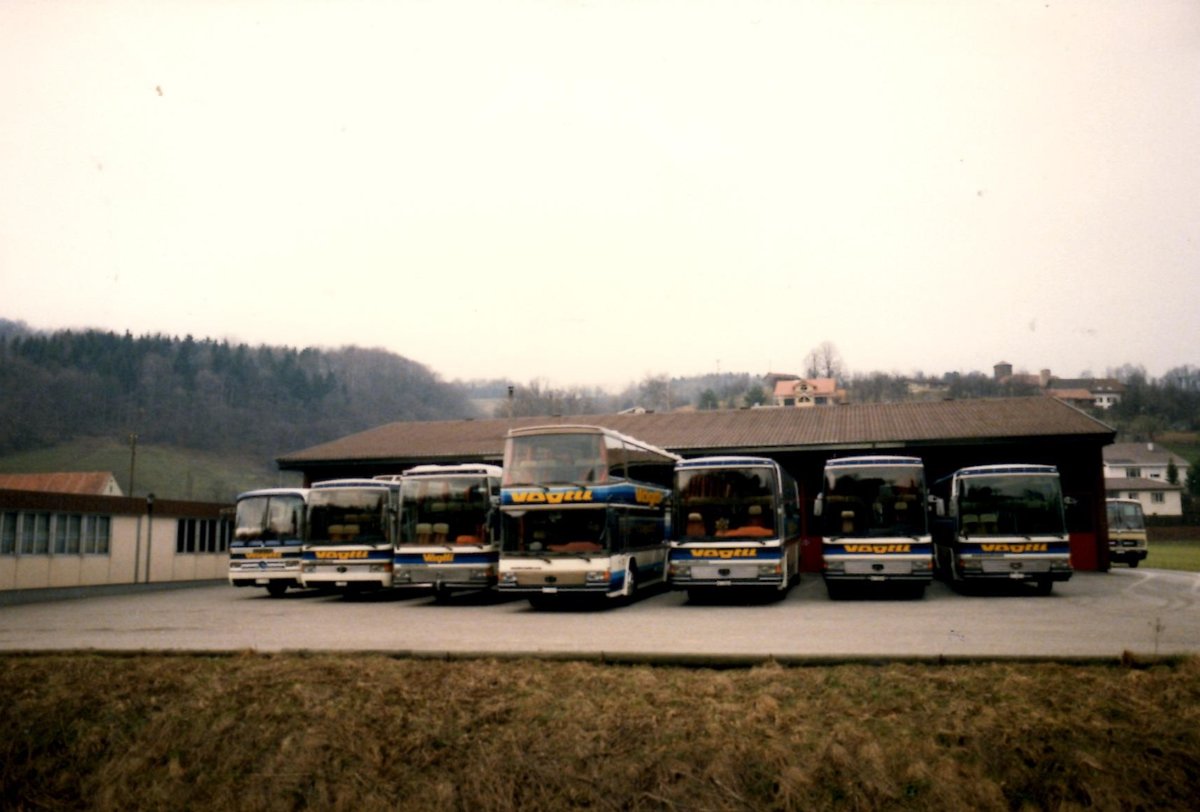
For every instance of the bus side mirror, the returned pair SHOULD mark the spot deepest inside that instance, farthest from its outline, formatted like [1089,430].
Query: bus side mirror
[817,505]
[937,505]
[1070,501]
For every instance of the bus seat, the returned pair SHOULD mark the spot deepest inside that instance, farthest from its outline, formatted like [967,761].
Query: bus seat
[754,518]
[468,540]
[440,531]
[576,547]
[423,531]
[970,523]
[343,532]
[989,523]
[695,524]
[847,521]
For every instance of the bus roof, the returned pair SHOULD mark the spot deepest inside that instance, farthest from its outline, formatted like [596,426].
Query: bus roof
[301,492]
[724,462]
[873,460]
[352,483]
[999,470]
[465,469]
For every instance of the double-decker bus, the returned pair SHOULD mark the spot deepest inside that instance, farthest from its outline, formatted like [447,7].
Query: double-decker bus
[736,524]
[585,511]
[872,513]
[448,536]
[268,534]
[1126,531]
[1005,523]
[350,534]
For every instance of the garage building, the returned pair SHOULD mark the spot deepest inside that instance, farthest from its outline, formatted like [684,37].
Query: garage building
[947,435]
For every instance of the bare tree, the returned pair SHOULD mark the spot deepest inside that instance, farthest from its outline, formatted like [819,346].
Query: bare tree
[655,392]
[824,361]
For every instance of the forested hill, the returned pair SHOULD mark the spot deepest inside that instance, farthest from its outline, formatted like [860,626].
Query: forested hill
[204,394]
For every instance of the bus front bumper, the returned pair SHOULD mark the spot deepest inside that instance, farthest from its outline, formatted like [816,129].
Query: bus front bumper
[878,569]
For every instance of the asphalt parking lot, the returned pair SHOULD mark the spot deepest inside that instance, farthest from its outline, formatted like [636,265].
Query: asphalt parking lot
[1143,612]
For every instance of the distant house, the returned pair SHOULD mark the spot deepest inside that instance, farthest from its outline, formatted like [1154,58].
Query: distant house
[1101,393]
[1139,471]
[807,392]
[1097,393]
[85,483]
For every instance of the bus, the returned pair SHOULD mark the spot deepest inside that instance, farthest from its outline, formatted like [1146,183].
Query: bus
[872,515]
[350,534]
[736,524]
[1005,523]
[448,537]
[1126,531]
[268,534]
[584,511]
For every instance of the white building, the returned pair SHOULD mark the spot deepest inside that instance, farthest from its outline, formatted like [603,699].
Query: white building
[55,540]
[1139,471]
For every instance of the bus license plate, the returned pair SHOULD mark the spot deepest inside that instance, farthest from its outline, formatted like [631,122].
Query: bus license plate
[549,590]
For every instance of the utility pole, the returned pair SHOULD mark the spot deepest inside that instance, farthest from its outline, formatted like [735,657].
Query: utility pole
[132,459]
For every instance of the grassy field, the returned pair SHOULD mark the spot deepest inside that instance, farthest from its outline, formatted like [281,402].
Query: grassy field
[169,473]
[369,732]
[1173,555]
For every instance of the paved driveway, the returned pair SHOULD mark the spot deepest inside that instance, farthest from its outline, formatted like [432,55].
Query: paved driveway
[1141,611]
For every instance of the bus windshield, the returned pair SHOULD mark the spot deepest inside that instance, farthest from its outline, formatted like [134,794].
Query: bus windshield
[548,459]
[1125,516]
[348,515]
[726,504]
[1010,505]
[541,532]
[269,518]
[874,502]
[444,511]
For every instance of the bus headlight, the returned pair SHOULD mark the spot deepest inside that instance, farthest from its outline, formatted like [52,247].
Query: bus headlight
[836,567]
[508,578]
[598,577]
[770,569]
[681,571]
[309,568]
[380,567]
[970,565]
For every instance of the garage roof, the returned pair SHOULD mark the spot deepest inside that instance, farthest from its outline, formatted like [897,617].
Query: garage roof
[868,425]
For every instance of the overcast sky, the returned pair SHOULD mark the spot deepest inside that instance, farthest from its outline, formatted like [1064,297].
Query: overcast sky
[589,192]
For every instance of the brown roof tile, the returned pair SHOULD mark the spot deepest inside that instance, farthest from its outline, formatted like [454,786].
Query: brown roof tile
[767,429]
[84,482]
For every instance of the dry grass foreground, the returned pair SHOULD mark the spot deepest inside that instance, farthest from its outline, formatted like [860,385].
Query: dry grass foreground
[370,732]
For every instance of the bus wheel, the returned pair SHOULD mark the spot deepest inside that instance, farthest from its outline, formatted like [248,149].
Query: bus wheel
[837,590]
[1133,562]
[631,582]
[1043,587]
[276,589]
